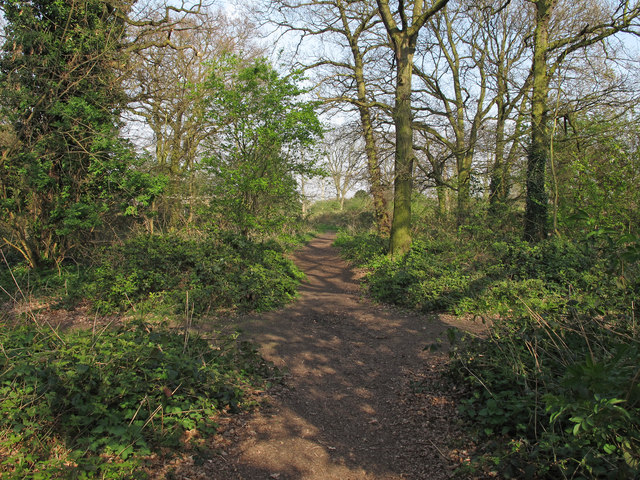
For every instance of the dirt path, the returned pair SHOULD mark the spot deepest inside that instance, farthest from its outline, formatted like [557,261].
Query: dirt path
[350,408]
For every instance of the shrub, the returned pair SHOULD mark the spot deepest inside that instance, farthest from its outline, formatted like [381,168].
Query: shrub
[227,272]
[361,248]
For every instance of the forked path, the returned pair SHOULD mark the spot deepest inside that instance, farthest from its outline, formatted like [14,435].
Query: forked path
[350,408]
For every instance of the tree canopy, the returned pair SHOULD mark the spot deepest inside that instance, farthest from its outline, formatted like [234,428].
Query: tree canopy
[262,130]
[64,166]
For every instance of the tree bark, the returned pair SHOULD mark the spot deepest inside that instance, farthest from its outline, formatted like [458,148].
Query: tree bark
[535,221]
[400,240]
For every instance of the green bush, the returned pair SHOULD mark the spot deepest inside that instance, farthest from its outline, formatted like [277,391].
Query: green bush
[430,277]
[361,248]
[482,277]
[112,396]
[426,278]
[227,272]
[220,272]
[17,279]
[557,260]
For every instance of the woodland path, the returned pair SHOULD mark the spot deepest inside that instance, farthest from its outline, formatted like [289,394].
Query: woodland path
[349,409]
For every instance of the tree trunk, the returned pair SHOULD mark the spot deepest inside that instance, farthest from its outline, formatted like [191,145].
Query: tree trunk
[535,221]
[498,186]
[404,41]
[443,201]
[464,186]
[400,241]
[376,188]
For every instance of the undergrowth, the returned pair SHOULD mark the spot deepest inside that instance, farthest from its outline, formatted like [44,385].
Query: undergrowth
[554,397]
[153,273]
[555,387]
[224,273]
[92,404]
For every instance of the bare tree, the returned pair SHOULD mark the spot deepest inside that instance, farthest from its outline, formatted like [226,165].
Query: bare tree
[432,161]
[403,28]
[457,86]
[508,26]
[346,39]
[344,160]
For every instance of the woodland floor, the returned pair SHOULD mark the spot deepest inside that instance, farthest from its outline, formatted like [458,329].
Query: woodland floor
[361,399]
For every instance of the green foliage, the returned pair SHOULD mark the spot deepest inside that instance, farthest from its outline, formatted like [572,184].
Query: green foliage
[361,248]
[563,388]
[356,216]
[223,272]
[64,166]
[263,129]
[433,275]
[554,391]
[111,396]
[484,277]
[597,162]
[426,278]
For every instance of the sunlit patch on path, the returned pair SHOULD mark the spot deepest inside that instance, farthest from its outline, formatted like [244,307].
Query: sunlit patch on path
[347,410]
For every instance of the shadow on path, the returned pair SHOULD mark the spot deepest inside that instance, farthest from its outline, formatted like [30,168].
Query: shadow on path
[350,362]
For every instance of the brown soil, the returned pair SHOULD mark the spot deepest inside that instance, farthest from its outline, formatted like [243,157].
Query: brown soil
[362,399]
